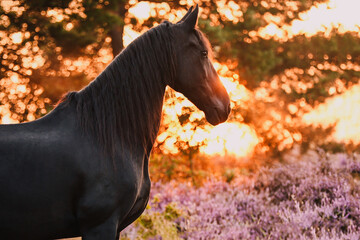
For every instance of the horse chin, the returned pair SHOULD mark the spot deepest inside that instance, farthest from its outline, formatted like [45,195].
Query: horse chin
[214,117]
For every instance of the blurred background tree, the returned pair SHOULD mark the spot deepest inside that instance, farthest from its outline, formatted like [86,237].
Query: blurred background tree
[287,73]
[51,47]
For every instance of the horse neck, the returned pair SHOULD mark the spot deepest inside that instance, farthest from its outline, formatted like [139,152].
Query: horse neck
[126,99]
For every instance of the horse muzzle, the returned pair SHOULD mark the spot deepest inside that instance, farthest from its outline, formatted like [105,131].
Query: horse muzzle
[219,113]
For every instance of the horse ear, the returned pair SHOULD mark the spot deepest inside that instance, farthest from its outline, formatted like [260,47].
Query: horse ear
[191,20]
[186,15]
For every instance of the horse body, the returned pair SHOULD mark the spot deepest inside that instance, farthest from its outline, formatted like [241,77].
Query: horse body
[52,185]
[35,157]
[82,170]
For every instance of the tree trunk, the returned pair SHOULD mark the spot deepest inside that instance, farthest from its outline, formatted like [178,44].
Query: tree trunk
[116,33]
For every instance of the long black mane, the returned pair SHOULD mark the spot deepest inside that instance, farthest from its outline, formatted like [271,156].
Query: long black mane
[122,103]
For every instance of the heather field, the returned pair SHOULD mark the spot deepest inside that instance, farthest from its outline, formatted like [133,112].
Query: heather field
[312,196]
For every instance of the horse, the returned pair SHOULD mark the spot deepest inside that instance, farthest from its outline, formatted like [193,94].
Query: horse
[82,169]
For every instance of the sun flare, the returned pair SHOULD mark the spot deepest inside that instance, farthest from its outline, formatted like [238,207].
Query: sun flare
[324,17]
[342,112]
[230,138]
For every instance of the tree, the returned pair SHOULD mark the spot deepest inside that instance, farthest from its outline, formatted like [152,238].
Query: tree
[54,36]
[41,41]
[287,76]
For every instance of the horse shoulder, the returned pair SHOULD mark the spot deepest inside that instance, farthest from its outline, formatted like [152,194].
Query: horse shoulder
[108,188]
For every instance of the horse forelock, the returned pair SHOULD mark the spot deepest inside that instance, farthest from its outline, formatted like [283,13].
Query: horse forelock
[122,103]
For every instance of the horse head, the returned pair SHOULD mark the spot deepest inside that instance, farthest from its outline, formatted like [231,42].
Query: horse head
[196,77]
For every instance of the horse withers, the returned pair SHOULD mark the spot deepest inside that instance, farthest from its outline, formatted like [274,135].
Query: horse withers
[82,170]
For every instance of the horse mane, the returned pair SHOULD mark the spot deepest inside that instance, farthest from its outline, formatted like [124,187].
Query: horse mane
[122,102]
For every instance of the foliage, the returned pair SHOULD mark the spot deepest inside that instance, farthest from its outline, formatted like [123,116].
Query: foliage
[167,168]
[315,197]
[51,47]
[155,224]
[42,44]
[288,75]
[50,32]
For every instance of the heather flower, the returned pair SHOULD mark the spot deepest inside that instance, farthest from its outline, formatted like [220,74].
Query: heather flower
[316,197]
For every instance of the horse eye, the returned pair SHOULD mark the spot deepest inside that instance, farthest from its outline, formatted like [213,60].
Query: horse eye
[204,53]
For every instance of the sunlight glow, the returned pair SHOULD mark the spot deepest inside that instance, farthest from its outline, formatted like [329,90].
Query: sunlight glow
[342,112]
[239,139]
[7,119]
[230,139]
[129,35]
[340,14]
[16,37]
[141,10]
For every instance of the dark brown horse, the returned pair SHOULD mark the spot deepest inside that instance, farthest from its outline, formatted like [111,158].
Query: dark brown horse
[82,170]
